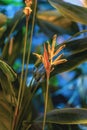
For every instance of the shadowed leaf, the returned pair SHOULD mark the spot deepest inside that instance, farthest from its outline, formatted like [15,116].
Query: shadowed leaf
[72,62]
[75,46]
[66,116]
[6,114]
[11,26]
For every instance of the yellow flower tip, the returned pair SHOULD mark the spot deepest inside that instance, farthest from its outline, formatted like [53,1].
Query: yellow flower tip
[59,57]
[62,61]
[59,62]
[65,60]
[63,46]
[38,56]
[27,11]
[55,36]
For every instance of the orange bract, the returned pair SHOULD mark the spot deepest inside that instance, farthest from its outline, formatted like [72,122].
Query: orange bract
[49,54]
[46,62]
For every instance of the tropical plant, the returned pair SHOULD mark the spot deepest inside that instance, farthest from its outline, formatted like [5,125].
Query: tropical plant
[17,108]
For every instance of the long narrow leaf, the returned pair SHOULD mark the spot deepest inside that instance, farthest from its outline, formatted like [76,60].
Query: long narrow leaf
[53,22]
[6,113]
[8,71]
[74,46]
[74,12]
[66,116]
[73,61]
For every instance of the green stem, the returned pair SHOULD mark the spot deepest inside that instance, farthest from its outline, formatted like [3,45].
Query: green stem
[26,71]
[11,114]
[46,101]
[22,87]
[21,79]
[35,3]
[27,104]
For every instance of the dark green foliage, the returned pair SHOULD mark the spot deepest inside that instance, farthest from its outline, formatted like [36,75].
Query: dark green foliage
[28,117]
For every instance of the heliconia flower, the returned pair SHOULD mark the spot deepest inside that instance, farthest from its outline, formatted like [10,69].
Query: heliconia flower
[46,62]
[48,58]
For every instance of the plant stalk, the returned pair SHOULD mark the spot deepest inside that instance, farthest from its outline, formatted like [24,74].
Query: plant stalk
[21,79]
[46,101]
[30,43]
[22,87]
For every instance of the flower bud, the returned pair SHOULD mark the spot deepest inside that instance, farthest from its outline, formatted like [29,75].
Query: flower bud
[27,11]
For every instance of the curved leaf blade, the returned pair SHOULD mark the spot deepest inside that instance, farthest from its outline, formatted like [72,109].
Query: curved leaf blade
[75,46]
[73,61]
[8,71]
[74,12]
[66,116]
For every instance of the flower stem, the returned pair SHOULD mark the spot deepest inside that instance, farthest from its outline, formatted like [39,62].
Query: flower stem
[30,43]
[22,73]
[46,101]
[29,50]
[21,82]
[21,79]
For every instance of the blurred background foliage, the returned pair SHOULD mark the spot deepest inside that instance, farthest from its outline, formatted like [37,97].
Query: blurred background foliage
[68,83]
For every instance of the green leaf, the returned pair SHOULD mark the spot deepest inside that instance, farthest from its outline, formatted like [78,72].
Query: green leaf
[2,125]
[75,46]
[73,61]
[3,19]
[6,114]
[6,85]
[17,43]
[65,116]
[2,30]
[11,26]
[8,71]
[73,12]
[25,112]
[53,22]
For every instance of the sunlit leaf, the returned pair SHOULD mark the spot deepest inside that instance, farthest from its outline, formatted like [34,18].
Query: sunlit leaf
[3,19]
[8,71]
[2,30]
[52,22]
[73,12]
